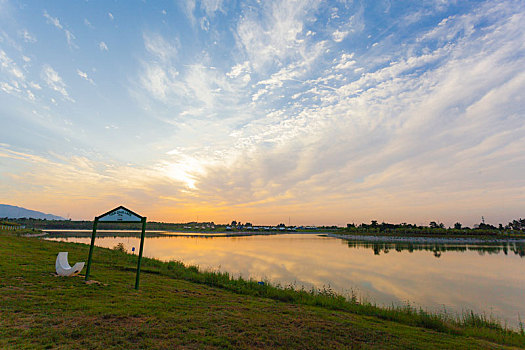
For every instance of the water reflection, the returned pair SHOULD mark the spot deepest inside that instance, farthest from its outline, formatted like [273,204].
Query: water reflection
[438,249]
[484,278]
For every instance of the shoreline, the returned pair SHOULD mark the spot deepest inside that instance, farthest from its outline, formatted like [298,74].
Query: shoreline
[344,236]
[423,239]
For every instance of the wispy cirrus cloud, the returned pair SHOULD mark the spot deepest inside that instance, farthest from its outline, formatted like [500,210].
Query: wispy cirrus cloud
[84,76]
[275,33]
[13,80]
[160,48]
[56,22]
[388,129]
[88,24]
[340,109]
[8,65]
[27,36]
[54,81]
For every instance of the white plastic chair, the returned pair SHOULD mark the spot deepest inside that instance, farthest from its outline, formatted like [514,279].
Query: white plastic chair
[63,268]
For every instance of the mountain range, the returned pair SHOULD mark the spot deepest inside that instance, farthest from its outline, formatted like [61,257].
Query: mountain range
[14,212]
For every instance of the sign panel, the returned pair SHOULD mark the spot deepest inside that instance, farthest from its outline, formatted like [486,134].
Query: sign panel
[120,215]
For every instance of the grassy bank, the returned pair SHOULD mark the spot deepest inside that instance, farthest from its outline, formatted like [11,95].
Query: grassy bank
[179,306]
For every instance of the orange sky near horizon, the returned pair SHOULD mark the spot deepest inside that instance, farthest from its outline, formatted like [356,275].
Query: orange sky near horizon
[300,112]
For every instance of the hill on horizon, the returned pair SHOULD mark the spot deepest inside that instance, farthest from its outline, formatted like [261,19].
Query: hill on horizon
[14,212]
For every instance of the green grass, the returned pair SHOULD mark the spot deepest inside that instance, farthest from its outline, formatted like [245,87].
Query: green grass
[182,307]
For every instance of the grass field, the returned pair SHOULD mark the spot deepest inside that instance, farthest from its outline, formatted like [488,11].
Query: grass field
[181,307]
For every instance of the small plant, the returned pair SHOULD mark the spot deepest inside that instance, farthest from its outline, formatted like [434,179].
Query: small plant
[120,248]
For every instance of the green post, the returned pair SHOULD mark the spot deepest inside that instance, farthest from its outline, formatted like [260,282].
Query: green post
[140,251]
[95,223]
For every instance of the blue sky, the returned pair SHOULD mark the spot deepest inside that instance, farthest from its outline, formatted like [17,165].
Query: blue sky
[324,112]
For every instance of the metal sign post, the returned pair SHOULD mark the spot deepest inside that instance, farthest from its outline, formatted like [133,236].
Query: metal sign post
[95,224]
[140,252]
[120,214]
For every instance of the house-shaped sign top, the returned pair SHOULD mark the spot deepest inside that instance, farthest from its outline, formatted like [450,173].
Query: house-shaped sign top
[120,214]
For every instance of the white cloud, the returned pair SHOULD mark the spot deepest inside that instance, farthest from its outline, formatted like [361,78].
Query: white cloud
[395,129]
[15,80]
[205,24]
[69,37]
[8,88]
[30,95]
[210,7]
[8,65]
[188,6]
[88,23]
[339,36]
[102,46]
[345,61]
[84,76]
[54,81]
[53,20]
[110,15]
[274,34]
[354,24]
[35,86]
[56,22]
[238,69]
[160,48]
[28,37]
[198,86]
[158,82]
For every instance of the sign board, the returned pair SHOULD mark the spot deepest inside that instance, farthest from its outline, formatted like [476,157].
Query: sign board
[120,214]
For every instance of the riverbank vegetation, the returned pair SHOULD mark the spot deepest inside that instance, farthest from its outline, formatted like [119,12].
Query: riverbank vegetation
[514,229]
[182,306]
[435,229]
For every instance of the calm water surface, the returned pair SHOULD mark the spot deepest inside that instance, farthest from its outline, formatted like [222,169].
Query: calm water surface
[488,279]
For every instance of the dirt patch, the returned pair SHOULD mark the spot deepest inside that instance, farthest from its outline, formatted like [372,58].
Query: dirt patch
[96,282]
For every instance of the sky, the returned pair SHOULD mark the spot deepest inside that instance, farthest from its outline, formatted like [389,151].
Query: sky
[302,112]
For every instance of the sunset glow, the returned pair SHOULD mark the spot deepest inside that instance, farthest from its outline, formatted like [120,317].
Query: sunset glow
[308,112]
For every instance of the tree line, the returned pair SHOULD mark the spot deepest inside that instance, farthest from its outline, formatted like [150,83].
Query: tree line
[434,227]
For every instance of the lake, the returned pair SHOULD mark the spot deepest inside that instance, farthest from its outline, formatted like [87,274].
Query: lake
[485,278]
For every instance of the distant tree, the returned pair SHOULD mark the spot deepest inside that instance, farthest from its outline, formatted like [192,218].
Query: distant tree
[350,225]
[484,226]
[434,224]
[374,223]
[234,223]
[517,224]
[281,225]
[457,226]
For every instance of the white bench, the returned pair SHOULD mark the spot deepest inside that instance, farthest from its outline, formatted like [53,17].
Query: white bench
[63,268]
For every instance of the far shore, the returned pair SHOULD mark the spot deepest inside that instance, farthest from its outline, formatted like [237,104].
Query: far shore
[427,239]
[346,236]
